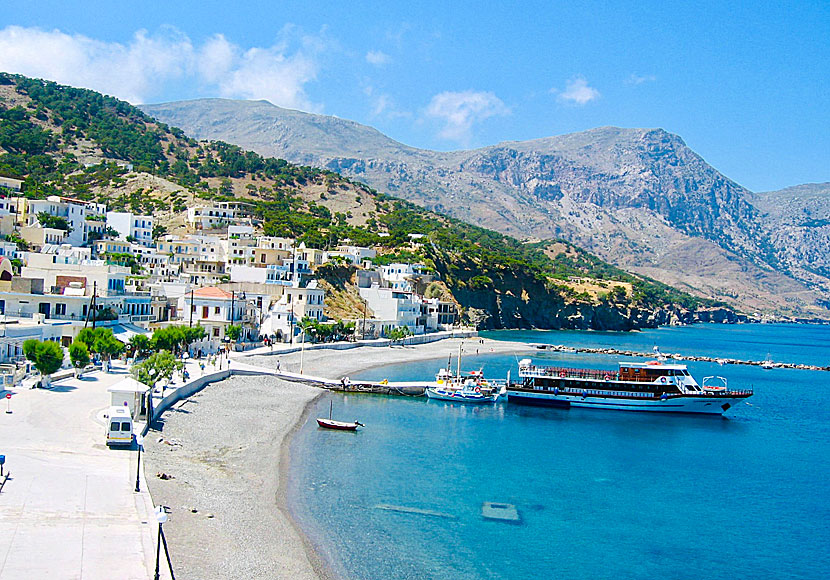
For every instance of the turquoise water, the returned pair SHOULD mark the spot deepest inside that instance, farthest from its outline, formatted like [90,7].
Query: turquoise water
[600,494]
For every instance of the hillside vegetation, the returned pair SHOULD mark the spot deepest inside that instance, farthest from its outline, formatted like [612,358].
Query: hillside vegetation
[76,142]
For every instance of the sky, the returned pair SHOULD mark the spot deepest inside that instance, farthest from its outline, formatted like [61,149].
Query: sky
[745,84]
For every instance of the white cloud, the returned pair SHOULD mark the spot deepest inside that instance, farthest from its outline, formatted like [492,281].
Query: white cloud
[143,67]
[127,71]
[636,79]
[461,110]
[377,58]
[578,92]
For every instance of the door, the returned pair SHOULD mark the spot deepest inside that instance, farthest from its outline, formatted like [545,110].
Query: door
[45,308]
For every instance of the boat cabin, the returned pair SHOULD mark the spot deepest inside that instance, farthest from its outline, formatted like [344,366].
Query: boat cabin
[650,372]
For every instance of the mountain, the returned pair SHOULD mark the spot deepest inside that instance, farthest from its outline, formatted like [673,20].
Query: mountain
[639,198]
[66,141]
[798,219]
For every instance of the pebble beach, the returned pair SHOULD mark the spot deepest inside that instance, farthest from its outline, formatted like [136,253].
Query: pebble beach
[217,461]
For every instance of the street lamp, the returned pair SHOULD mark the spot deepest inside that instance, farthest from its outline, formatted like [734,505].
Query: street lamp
[139,440]
[302,350]
[161,518]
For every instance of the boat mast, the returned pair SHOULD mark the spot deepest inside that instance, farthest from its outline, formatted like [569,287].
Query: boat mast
[458,370]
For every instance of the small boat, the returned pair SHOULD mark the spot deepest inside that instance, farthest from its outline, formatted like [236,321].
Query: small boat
[465,388]
[338,425]
[468,393]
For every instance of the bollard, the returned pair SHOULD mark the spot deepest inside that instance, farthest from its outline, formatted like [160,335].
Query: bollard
[8,403]
[2,463]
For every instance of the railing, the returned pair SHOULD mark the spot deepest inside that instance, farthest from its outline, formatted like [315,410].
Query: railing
[569,373]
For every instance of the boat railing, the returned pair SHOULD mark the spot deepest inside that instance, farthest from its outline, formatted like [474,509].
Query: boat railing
[569,373]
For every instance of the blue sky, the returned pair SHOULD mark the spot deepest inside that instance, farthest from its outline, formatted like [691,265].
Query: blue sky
[745,84]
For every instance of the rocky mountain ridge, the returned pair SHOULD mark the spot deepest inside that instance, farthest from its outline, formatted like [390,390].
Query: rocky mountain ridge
[639,198]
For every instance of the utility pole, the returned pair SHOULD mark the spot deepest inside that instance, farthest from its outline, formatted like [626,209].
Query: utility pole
[191,307]
[363,334]
[91,306]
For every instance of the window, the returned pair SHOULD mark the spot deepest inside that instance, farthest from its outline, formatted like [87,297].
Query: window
[115,426]
[205,310]
[216,310]
[125,426]
[60,308]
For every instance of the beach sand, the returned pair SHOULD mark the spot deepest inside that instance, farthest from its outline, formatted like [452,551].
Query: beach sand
[225,449]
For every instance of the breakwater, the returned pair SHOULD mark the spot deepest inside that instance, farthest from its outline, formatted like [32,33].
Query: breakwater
[678,357]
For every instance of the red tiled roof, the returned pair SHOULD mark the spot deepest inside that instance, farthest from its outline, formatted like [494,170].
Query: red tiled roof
[211,292]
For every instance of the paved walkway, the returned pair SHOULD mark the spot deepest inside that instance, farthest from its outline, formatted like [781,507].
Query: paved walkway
[69,509]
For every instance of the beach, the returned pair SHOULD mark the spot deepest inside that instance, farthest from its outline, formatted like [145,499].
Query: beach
[226,453]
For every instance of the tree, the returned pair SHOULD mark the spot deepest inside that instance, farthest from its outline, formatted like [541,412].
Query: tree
[233,332]
[307,325]
[191,334]
[47,356]
[50,221]
[176,337]
[78,354]
[140,345]
[399,333]
[101,341]
[168,338]
[159,366]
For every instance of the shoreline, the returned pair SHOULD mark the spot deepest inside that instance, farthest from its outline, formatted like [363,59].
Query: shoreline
[219,476]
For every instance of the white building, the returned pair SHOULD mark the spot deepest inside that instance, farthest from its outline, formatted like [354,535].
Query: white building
[215,309]
[83,217]
[390,304]
[138,228]
[215,216]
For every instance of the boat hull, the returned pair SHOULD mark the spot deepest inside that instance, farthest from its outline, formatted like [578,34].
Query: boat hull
[459,397]
[337,425]
[704,405]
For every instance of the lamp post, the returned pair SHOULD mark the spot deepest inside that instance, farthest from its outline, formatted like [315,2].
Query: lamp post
[139,441]
[161,518]
[302,349]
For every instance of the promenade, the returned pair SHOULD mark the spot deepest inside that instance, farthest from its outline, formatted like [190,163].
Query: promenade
[69,509]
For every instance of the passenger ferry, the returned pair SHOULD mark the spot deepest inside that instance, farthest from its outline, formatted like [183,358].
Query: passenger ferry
[650,386]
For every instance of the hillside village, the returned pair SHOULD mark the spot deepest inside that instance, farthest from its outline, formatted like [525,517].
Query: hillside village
[68,264]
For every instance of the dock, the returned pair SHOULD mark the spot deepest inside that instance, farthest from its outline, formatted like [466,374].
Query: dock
[403,388]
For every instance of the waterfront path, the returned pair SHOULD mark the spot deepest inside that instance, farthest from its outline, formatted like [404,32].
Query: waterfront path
[69,509]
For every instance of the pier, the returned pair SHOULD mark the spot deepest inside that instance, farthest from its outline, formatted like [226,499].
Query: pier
[677,357]
[404,388]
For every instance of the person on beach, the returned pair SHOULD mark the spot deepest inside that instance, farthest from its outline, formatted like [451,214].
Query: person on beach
[278,365]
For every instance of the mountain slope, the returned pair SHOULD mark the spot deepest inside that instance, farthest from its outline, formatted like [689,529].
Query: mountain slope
[68,141]
[799,221]
[639,198]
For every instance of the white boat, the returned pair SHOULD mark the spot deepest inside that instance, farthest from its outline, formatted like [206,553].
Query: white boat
[651,386]
[769,363]
[469,392]
[468,388]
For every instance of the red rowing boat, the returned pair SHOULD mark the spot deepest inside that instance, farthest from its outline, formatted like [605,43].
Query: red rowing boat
[339,425]
[342,426]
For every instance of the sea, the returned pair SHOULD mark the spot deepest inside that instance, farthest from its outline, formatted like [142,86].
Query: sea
[598,494]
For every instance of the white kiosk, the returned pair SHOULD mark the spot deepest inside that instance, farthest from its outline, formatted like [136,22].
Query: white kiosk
[132,394]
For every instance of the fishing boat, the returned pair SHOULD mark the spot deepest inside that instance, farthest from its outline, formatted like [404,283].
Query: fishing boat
[338,425]
[769,363]
[471,387]
[469,392]
[656,385]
